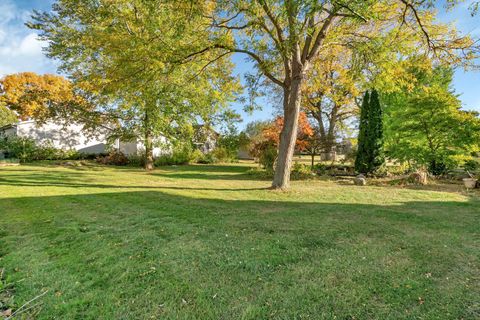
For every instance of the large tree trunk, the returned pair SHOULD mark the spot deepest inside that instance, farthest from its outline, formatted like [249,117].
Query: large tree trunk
[149,163]
[328,144]
[330,136]
[288,136]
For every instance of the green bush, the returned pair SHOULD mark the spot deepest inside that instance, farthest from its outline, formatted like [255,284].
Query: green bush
[301,172]
[259,173]
[221,154]
[207,158]
[320,169]
[439,167]
[115,158]
[471,165]
[177,157]
[27,150]
[136,160]
[267,156]
[197,156]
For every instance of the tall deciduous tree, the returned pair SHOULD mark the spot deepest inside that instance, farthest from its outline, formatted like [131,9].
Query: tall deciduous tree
[284,37]
[32,95]
[269,139]
[329,94]
[426,126]
[119,54]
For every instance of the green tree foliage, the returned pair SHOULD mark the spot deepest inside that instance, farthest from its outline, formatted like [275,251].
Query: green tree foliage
[375,133]
[284,38]
[426,125]
[122,56]
[370,155]
[361,161]
[7,116]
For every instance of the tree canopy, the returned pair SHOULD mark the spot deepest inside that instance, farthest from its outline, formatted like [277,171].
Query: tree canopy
[160,65]
[427,126]
[122,55]
[283,39]
[31,95]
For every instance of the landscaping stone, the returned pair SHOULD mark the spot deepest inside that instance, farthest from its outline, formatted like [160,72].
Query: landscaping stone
[419,177]
[360,180]
[470,183]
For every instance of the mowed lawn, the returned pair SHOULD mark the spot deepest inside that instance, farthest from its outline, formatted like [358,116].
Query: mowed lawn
[211,242]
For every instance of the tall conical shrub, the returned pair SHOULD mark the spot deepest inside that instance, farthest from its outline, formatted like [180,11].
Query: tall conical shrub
[370,156]
[361,161]
[375,134]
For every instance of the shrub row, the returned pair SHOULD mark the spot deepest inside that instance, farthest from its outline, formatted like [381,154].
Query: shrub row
[26,150]
[180,156]
[186,156]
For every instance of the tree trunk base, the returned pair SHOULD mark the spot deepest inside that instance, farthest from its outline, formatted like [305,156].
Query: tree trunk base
[278,188]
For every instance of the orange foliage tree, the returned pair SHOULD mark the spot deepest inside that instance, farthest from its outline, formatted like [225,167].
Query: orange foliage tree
[265,146]
[36,96]
[305,131]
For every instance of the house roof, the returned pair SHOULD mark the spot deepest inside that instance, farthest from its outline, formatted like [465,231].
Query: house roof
[16,124]
[205,127]
[8,126]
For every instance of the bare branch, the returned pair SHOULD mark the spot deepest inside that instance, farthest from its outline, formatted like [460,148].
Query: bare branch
[254,56]
[274,21]
[321,36]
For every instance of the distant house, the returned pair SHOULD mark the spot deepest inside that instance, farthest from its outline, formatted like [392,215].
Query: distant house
[137,147]
[205,138]
[72,137]
[67,137]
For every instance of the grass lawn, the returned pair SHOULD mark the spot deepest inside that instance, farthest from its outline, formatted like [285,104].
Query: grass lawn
[210,242]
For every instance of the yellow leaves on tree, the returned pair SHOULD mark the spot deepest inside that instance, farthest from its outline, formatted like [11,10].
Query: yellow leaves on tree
[32,95]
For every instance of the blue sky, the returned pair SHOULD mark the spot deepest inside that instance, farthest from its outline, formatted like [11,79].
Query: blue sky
[20,50]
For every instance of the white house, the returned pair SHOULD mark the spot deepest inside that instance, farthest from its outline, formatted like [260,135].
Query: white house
[67,137]
[137,147]
[72,137]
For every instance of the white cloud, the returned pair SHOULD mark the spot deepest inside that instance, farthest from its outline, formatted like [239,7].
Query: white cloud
[7,12]
[30,45]
[20,48]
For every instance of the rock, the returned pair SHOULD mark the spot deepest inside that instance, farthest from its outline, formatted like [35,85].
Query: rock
[470,183]
[360,180]
[419,177]
[6,313]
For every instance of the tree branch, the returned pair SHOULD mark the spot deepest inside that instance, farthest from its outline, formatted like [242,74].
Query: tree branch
[320,37]
[254,56]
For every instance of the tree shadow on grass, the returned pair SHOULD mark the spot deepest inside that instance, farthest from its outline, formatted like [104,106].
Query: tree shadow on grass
[70,180]
[150,253]
[206,172]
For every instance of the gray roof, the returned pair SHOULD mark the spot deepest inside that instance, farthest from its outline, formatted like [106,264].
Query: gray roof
[8,126]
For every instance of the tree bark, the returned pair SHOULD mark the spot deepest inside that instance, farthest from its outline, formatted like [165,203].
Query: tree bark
[149,163]
[288,136]
[313,160]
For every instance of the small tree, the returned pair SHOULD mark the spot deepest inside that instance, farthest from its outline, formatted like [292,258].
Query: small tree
[370,156]
[361,161]
[314,146]
[375,134]
[265,146]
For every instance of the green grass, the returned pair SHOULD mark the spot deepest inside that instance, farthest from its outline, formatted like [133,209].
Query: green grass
[211,242]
